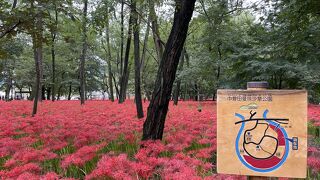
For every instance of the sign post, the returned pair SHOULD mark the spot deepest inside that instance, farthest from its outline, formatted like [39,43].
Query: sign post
[262,132]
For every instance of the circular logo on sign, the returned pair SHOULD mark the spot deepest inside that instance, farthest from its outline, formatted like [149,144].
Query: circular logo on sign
[262,144]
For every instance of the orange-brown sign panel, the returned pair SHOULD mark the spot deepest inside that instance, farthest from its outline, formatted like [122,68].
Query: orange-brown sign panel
[262,132]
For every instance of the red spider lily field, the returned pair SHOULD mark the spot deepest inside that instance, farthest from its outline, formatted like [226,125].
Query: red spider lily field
[101,140]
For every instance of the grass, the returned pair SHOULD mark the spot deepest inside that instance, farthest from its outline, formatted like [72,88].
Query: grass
[311,129]
[2,161]
[18,136]
[315,132]
[196,146]
[166,154]
[37,145]
[120,145]
[52,165]
[69,149]
[311,175]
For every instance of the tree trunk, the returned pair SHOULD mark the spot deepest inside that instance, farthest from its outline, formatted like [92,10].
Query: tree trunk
[196,92]
[280,80]
[70,91]
[31,94]
[125,73]
[38,79]
[218,71]
[143,56]
[185,92]
[177,90]
[43,92]
[53,68]
[37,51]
[145,44]
[7,92]
[8,80]
[116,86]
[48,93]
[53,54]
[154,125]
[83,55]
[155,30]
[109,58]
[187,62]
[275,81]
[122,38]
[20,91]
[120,70]
[137,82]
[59,92]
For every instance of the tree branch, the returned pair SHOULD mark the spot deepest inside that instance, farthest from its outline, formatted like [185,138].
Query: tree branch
[14,4]
[10,29]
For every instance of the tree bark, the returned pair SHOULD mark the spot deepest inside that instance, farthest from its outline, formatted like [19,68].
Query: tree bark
[145,45]
[155,30]
[49,93]
[37,51]
[7,91]
[154,125]
[122,38]
[83,55]
[137,81]
[37,55]
[59,92]
[185,92]
[177,90]
[43,92]
[9,69]
[125,73]
[53,53]
[143,57]
[70,91]
[187,61]
[280,80]
[109,58]
[53,67]
[196,92]
[116,86]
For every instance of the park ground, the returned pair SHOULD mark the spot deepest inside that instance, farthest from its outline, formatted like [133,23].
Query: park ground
[101,140]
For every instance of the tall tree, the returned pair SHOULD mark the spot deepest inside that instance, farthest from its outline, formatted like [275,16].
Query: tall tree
[125,73]
[53,52]
[177,90]
[84,51]
[157,111]
[137,81]
[8,77]
[145,45]
[155,30]
[109,56]
[122,37]
[37,49]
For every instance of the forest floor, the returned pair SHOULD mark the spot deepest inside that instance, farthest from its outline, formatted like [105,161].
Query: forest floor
[102,140]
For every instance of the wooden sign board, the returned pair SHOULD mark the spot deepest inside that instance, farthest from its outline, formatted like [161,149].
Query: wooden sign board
[262,133]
